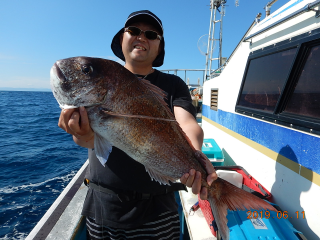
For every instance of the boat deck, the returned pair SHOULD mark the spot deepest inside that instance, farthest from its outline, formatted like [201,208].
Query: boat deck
[197,226]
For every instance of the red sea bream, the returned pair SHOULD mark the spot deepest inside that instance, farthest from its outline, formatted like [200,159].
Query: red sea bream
[130,114]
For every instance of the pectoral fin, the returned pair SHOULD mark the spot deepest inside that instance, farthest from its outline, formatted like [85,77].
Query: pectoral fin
[102,148]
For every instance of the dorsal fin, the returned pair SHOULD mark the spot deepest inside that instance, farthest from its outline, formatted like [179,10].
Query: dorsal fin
[158,91]
[159,94]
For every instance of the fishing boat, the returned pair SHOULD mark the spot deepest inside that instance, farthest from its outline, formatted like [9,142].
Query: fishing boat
[261,106]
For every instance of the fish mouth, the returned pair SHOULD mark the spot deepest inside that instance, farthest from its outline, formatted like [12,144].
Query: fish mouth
[56,76]
[57,72]
[62,87]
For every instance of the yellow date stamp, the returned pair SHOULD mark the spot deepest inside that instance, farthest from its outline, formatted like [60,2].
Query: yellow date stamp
[267,215]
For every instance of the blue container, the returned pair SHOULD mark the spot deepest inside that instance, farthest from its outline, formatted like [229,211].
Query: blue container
[260,224]
[211,149]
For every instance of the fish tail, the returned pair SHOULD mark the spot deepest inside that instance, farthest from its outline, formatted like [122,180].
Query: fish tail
[219,211]
[222,196]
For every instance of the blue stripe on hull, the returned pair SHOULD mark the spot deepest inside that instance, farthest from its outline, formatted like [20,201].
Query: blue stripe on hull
[299,147]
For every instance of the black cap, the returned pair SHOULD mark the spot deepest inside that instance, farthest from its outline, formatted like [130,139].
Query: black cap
[139,16]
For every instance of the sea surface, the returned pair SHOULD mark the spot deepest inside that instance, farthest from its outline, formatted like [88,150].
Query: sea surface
[37,160]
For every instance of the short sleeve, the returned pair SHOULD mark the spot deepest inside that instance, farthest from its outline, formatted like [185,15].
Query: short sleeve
[182,97]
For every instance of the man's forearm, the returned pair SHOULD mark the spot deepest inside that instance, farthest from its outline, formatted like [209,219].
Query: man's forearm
[195,134]
[190,126]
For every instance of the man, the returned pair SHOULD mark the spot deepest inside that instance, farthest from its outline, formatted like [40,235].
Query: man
[122,201]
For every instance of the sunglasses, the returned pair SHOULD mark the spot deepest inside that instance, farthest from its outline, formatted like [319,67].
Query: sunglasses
[134,31]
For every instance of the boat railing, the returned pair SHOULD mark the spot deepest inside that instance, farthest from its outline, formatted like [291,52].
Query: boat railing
[307,8]
[186,79]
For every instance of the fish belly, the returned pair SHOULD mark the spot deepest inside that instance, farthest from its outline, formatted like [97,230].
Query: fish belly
[158,145]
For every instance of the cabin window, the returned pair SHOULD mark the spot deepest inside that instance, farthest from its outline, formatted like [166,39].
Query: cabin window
[214,99]
[305,99]
[265,80]
[281,83]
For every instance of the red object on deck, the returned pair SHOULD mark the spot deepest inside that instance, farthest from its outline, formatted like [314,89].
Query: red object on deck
[249,184]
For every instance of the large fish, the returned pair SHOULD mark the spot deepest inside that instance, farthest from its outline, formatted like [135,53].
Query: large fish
[131,114]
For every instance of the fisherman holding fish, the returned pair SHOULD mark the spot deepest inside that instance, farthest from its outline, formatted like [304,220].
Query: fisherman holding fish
[141,45]
[141,133]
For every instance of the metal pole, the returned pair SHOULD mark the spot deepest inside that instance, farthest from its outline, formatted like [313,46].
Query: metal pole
[204,73]
[209,37]
[212,39]
[220,38]
[306,8]
[268,7]
[185,75]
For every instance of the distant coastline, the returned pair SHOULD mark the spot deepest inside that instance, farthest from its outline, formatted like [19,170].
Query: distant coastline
[25,89]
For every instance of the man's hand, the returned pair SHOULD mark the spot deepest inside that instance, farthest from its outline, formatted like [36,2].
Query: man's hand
[77,124]
[193,180]
[194,132]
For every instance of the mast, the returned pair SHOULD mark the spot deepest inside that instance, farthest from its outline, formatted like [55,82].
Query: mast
[214,6]
[220,35]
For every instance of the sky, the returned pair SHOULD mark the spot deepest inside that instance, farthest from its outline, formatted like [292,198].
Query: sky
[36,33]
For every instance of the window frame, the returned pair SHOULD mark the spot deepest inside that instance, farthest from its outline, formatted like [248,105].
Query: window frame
[303,43]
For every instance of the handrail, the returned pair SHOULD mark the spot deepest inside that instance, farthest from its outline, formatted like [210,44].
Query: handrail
[185,72]
[307,8]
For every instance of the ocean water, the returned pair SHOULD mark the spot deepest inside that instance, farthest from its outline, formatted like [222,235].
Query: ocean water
[37,160]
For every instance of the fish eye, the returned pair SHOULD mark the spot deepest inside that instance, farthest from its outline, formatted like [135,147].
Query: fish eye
[86,69]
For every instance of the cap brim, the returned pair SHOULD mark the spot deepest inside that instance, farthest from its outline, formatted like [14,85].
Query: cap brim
[116,45]
[147,19]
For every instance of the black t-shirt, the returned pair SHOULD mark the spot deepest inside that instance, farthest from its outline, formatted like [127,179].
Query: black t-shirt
[122,172]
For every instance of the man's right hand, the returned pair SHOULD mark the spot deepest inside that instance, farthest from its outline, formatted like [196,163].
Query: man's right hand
[70,122]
